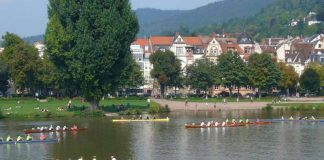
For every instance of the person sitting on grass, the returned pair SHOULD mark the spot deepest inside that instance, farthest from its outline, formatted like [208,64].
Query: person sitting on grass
[29,138]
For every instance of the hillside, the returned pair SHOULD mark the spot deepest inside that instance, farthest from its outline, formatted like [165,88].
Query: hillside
[275,20]
[156,21]
[33,39]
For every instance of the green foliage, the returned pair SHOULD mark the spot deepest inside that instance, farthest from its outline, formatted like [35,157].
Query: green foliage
[320,70]
[1,115]
[4,77]
[274,20]
[97,113]
[199,75]
[268,108]
[132,76]
[22,60]
[166,69]
[264,74]
[310,81]
[130,112]
[156,108]
[232,70]
[289,76]
[90,48]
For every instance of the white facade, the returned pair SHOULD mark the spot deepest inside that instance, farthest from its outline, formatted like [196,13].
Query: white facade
[179,49]
[213,50]
[41,48]
[1,50]
[281,51]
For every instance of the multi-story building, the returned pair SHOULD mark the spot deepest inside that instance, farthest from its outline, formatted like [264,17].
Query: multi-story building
[41,48]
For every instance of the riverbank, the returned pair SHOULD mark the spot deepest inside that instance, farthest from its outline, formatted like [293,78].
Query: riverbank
[210,106]
[51,107]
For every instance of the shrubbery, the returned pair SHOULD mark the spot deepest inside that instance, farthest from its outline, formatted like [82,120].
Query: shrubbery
[156,108]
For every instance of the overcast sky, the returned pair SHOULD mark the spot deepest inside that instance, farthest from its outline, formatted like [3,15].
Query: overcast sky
[29,17]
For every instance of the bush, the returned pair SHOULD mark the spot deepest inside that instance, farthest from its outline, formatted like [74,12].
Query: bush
[157,109]
[130,112]
[268,107]
[89,114]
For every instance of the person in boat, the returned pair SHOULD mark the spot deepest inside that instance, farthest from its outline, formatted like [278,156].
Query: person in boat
[233,121]
[216,123]
[29,138]
[9,139]
[140,117]
[202,124]
[133,117]
[51,128]
[312,118]
[58,128]
[247,121]
[42,128]
[282,118]
[147,117]
[74,127]
[305,118]
[240,121]
[43,137]
[208,124]
[154,117]
[258,120]
[226,121]
[19,138]
[64,128]
[291,118]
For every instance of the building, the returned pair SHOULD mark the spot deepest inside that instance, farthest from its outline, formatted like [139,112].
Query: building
[41,48]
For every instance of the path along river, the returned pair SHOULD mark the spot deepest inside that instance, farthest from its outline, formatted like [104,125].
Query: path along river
[171,141]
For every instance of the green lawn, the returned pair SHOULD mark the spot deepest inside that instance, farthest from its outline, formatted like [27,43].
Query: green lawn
[300,106]
[229,99]
[30,107]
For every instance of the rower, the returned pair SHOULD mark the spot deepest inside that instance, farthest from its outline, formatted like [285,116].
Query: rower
[223,124]
[226,121]
[64,128]
[233,121]
[113,158]
[258,120]
[282,118]
[208,124]
[43,137]
[312,118]
[29,138]
[9,139]
[202,124]
[42,128]
[74,127]
[291,118]
[240,121]
[140,117]
[247,121]
[147,117]
[58,128]
[305,118]
[51,128]
[19,138]
[216,123]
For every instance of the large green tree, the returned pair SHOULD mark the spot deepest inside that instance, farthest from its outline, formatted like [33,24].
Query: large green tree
[264,74]
[289,77]
[23,62]
[200,75]
[232,71]
[4,77]
[166,68]
[89,43]
[310,81]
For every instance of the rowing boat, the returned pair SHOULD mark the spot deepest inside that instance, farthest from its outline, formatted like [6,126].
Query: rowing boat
[32,141]
[142,120]
[28,131]
[297,120]
[256,123]
[213,126]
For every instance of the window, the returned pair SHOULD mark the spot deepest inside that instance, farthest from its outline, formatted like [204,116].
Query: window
[319,45]
[179,51]
[213,51]
[247,50]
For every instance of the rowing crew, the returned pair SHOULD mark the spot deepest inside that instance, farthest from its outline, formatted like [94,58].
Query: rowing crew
[140,117]
[300,118]
[57,128]
[212,123]
[20,138]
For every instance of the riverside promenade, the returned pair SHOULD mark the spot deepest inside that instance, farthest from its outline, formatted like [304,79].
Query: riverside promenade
[202,106]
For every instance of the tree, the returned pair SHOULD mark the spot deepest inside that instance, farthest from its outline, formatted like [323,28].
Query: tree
[166,68]
[232,70]
[22,60]
[200,75]
[310,81]
[89,43]
[289,77]
[320,71]
[4,77]
[264,74]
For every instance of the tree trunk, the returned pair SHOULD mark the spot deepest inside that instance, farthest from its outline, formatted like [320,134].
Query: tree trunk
[162,87]
[288,94]
[259,93]
[238,94]
[94,105]
[175,91]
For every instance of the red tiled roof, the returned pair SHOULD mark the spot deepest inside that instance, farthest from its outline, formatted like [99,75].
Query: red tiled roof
[195,41]
[161,40]
[142,42]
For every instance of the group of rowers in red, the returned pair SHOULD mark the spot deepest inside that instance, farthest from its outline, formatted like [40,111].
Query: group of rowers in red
[57,128]
[227,122]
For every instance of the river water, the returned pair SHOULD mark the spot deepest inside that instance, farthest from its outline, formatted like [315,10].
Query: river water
[171,141]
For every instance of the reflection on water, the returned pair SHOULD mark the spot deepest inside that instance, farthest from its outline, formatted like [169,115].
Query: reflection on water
[147,140]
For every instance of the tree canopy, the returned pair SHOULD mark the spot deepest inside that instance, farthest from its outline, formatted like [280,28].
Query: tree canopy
[264,74]
[89,43]
[310,81]
[289,77]
[166,68]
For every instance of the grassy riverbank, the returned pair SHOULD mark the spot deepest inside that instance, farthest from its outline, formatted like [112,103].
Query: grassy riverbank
[299,106]
[51,107]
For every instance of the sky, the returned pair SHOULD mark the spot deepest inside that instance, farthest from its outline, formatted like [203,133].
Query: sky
[29,17]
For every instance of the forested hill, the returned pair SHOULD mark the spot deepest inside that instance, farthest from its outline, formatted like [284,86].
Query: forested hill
[275,20]
[154,21]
